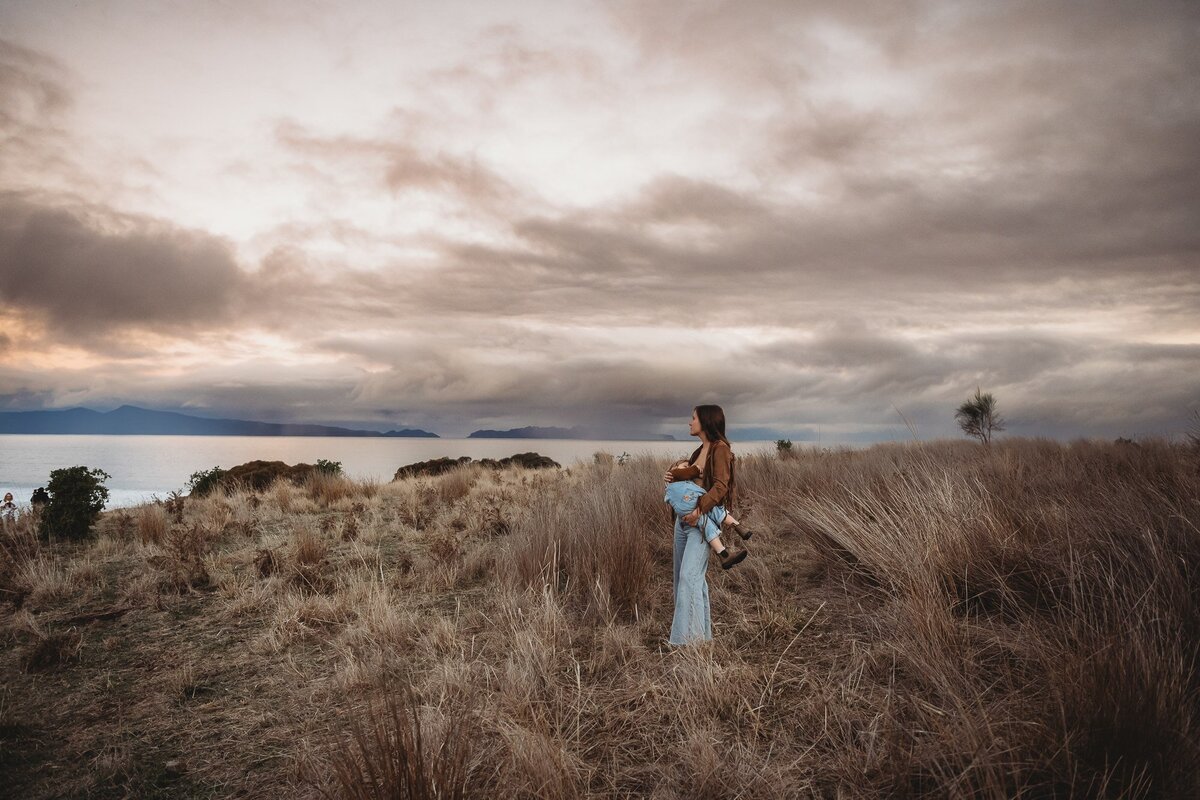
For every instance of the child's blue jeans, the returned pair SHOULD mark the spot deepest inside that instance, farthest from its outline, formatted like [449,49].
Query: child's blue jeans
[683,496]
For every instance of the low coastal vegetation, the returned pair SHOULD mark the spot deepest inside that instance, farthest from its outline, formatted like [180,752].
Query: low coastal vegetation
[916,620]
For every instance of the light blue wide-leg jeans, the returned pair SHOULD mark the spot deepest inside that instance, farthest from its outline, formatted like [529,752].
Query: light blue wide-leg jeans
[692,621]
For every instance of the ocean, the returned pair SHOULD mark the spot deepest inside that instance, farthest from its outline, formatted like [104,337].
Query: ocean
[145,467]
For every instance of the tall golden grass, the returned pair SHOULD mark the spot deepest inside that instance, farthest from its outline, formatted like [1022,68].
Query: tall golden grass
[919,620]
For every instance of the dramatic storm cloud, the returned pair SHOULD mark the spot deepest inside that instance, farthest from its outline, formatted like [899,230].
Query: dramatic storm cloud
[821,215]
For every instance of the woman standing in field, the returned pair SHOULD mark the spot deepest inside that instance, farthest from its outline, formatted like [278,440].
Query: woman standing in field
[712,466]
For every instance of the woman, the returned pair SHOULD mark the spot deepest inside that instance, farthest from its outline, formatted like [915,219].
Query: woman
[8,509]
[714,459]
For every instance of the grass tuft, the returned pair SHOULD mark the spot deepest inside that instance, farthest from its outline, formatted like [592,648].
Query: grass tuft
[391,753]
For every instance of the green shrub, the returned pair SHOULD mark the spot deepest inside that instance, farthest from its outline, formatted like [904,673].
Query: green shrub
[205,481]
[329,467]
[783,446]
[77,496]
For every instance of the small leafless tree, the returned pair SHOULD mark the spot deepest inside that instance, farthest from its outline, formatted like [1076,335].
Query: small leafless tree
[978,417]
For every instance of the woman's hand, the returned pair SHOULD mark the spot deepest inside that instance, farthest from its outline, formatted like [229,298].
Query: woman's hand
[667,477]
[692,517]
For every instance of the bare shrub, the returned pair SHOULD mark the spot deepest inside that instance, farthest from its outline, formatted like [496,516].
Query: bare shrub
[175,505]
[418,504]
[445,548]
[182,566]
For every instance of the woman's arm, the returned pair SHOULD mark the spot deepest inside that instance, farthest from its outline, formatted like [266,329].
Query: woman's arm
[722,459]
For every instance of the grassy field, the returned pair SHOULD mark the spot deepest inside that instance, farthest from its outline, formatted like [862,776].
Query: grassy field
[922,620]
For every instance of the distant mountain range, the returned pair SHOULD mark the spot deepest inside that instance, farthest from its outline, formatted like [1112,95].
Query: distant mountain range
[575,432]
[133,421]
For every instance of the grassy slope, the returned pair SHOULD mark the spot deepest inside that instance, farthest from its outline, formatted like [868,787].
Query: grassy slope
[926,620]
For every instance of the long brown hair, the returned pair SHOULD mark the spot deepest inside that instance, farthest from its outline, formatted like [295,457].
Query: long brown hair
[712,422]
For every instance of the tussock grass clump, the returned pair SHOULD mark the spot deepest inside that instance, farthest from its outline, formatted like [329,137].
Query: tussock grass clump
[394,753]
[309,563]
[42,582]
[152,524]
[456,484]
[328,490]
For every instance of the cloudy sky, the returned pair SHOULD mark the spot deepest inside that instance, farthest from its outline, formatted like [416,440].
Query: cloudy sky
[457,215]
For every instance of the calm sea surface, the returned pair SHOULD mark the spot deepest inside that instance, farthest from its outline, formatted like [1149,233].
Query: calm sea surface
[145,466]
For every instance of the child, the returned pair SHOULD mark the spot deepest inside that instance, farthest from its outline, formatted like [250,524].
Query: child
[8,509]
[684,471]
[683,496]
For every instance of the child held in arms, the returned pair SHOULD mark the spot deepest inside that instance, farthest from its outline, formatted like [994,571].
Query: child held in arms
[683,495]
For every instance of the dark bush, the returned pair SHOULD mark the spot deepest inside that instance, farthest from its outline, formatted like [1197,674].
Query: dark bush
[440,466]
[529,461]
[431,468]
[205,481]
[329,467]
[77,496]
[259,475]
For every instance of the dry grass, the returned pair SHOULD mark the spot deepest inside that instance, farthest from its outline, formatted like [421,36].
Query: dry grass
[392,755]
[921,620]
[337,491]
[152,524]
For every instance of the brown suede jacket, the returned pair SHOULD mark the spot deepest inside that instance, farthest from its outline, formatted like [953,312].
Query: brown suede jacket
[716,478]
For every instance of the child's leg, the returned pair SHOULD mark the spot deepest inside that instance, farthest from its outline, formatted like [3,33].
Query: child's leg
[732,524]
[710,524]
